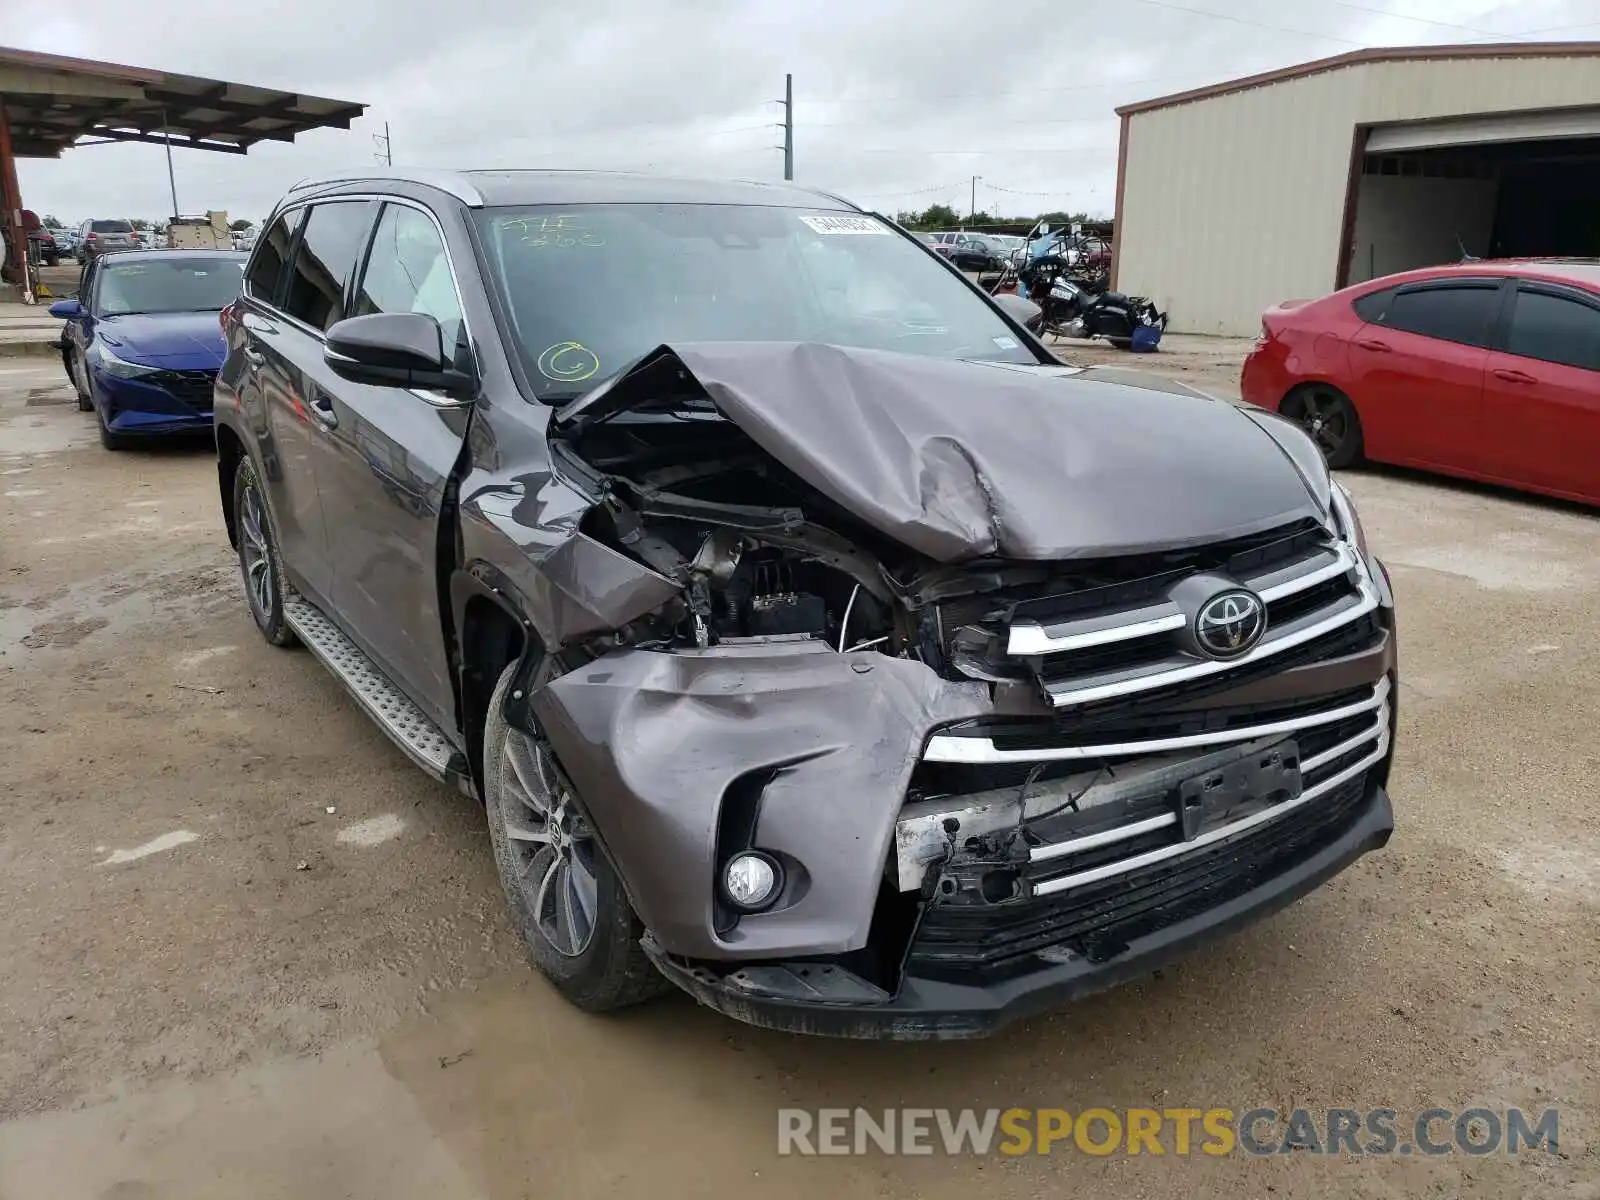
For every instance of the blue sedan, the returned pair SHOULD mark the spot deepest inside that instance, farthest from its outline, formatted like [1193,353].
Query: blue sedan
[143,343]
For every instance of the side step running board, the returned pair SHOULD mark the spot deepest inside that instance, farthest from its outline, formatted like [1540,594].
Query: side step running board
[410,728]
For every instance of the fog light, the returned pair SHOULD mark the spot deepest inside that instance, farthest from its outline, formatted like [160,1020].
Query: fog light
[751,880]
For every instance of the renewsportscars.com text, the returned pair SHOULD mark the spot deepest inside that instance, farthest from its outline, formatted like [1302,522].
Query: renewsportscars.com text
[1176,1131]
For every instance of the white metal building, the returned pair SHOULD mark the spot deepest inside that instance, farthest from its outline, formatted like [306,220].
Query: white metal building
[1291,184]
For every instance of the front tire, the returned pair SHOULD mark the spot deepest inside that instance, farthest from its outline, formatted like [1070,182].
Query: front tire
[260,563]
[1329,419]
[74,364]
[566,898]
[108,439]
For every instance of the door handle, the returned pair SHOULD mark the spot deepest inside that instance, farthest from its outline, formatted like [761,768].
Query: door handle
[1513,376]
[322,409]
[1373,344]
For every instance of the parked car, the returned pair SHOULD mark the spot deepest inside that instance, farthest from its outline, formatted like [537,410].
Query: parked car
[689,525]
[100,235]
[970,251]
[44,241]
[1487,370]
[143,342]
[66,241]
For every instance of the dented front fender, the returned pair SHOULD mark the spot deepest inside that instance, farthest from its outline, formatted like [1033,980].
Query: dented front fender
[653,741]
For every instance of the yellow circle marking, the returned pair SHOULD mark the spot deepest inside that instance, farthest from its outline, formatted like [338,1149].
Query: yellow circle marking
[568,362]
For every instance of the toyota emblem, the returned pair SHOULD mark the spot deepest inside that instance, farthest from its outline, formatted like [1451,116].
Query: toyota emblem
[1230,624]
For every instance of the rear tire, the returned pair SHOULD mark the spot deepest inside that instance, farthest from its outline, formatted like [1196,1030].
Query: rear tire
[260,563]
[566,898]
[1329,419]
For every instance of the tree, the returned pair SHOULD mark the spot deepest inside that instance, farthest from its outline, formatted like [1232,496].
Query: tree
[140,224]
[239,226]
[53,223]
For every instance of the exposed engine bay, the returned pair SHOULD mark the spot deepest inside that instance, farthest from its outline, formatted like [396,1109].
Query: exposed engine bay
[943,671]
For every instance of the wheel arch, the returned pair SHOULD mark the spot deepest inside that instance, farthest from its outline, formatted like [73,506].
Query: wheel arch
[230,450]
[491,633]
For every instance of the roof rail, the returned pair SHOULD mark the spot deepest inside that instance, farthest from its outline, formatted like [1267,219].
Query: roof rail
[445,181]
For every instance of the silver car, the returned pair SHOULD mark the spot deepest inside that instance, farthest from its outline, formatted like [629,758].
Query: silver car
[100,235]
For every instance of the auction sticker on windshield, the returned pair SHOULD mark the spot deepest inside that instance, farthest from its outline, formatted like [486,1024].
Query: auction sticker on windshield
[845,225]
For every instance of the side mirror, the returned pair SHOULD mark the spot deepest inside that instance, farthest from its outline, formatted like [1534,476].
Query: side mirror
[1021,310]
[66,309]
[393,350]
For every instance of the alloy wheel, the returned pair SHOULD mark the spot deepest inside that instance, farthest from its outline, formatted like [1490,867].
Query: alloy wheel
[553,845]
[1326,418]
[253,553]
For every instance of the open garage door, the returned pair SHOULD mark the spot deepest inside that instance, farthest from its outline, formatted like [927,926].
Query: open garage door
[1513,185]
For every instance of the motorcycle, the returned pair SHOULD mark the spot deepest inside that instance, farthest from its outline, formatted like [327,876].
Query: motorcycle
[1124,321]
[1075,303]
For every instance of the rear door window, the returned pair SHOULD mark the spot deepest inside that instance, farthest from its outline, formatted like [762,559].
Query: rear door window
[334,235]
[1374,305]
[1554,329]
[1460,313]
[264,275]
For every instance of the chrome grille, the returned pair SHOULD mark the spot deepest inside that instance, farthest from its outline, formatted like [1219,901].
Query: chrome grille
[1088,658]
[1121,809]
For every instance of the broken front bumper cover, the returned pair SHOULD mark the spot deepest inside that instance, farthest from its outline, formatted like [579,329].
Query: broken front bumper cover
[826,999]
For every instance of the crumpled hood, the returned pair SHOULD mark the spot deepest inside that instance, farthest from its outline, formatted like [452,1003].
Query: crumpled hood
[184,339]
[961,460]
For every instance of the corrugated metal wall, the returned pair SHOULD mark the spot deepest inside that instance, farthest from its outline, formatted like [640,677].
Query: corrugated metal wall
[1234,202]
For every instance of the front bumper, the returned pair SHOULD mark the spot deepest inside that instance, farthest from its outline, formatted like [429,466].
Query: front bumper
[139,406]
[828,1000]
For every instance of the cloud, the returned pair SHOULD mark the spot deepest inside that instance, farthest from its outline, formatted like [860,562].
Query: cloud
[899,102]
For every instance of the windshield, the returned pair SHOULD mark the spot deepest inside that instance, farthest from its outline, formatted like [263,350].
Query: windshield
[590,288]
[169,284]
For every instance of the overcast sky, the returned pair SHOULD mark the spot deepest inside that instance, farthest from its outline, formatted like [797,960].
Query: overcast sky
[897,102]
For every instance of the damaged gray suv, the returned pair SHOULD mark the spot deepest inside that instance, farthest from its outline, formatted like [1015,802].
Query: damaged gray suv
[816,641]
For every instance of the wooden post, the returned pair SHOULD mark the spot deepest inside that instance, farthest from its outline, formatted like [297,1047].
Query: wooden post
[11,196]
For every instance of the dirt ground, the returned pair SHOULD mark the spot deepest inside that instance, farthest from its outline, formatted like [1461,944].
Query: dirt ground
[248,951]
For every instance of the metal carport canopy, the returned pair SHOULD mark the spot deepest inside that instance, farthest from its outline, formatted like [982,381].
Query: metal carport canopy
[1471,131]
[51,102]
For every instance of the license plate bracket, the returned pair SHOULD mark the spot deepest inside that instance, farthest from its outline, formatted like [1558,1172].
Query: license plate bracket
[1247,785]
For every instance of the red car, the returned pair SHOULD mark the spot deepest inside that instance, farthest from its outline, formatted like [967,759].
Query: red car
[1489,370]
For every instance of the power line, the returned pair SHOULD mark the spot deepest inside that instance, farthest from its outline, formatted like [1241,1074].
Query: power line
[1556,29]
[1202,12]
[941,187]
[989,93]
[1399,16]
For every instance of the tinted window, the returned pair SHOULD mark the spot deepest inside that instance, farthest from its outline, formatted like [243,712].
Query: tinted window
[1453,314]
[1555,329]
[1373,306]
[408,272]
[265,271]
[110,227]
[328,251]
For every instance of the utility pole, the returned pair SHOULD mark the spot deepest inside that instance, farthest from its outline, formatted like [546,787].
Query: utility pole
[788,126]
[972,212]
[172,180]
[387,151]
